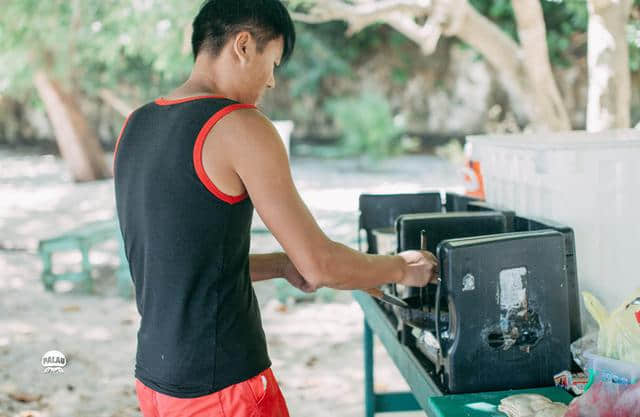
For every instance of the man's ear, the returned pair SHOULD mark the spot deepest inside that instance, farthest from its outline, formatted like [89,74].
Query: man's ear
[243,47]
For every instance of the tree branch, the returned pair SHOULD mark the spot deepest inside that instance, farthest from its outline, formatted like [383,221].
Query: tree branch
[519,67]
[445,17]
[426,36]
[502,52]
[362,14]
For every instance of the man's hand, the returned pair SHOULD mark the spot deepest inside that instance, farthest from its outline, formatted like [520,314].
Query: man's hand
[295,278]
[421,268]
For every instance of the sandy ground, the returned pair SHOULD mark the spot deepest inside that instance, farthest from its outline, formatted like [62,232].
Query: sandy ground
[315,347]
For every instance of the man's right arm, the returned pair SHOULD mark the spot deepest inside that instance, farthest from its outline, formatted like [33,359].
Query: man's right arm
[256,153]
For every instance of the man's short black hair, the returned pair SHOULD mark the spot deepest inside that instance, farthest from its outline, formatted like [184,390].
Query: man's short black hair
[218,20]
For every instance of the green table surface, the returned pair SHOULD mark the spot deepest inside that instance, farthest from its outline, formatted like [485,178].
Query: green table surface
[485,404]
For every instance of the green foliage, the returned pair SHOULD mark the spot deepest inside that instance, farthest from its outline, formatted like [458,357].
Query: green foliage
[367,125]
[324,52]
[313,61]
[130,46]
[563,19]
[566,22]
[322,67]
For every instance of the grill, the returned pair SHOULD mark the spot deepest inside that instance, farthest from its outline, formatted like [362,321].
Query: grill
[505,309]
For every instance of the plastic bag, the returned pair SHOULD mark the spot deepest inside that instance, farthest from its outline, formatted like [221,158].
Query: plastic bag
[619,334]
[587,343]
[614,388]
[605,399]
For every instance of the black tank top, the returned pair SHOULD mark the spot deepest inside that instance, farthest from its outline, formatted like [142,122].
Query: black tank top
[188,249]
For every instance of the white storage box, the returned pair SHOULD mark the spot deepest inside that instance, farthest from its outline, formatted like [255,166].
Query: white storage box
[588,181]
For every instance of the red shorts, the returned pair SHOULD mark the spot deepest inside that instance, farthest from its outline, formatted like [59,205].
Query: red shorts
[259,396]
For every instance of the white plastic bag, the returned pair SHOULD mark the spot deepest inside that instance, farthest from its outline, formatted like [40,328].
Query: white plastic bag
[619,334]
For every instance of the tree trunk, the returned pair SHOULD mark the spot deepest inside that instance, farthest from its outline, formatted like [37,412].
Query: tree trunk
[500,51]
[609,93]
[549,112]
[78,143]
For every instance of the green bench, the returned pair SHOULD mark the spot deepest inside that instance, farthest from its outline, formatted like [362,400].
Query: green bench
[83,239]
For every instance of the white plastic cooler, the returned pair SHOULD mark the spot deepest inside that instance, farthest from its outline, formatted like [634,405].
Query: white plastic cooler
[588,181]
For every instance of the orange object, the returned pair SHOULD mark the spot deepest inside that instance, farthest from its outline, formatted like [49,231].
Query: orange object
[257,396]
[473,181]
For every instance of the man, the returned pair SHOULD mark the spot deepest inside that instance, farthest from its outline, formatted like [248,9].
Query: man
[189,169]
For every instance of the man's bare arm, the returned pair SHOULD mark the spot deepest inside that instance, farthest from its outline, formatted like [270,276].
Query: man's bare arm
[267,266]
[257,155]
[277,265]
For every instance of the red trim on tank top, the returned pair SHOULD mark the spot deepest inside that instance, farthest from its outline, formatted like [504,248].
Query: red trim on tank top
[115,150]
[165,102]
[197,154]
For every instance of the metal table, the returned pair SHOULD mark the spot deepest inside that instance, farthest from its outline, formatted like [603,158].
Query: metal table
[425,394]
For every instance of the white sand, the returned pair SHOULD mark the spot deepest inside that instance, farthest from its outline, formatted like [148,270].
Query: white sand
[316,348]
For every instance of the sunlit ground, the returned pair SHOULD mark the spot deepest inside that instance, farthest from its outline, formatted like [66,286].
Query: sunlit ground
[315,347]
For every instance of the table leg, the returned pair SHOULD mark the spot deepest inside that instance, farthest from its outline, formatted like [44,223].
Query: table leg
[369,394]
[48,278]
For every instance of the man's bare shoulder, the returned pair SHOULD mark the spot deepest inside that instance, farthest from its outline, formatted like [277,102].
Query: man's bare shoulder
[246,124]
